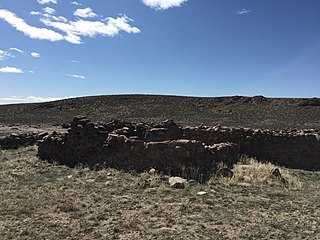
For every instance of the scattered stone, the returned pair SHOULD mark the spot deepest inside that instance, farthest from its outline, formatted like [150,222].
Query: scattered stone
[201,193]
[69,176]
[177,182]
[152,171]
[107,183]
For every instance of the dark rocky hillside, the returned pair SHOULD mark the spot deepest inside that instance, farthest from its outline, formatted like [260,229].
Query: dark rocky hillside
[253,112]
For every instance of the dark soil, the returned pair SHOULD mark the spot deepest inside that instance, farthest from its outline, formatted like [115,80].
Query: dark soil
[237,111]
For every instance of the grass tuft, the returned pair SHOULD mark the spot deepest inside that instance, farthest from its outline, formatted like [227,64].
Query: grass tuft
[249,171]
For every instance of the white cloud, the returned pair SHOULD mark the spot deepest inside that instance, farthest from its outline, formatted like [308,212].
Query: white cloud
[35,13]
[40,99]
[163,4]
[29,99]
[72,30]
[47,1]
[85,13]
[76,3]
[49,16]
[17,50]
[32,72]
[49,10]
[10,70]
[243,11]
[35,54]
[108,27]
[30,31]
[76,76]
[5,55]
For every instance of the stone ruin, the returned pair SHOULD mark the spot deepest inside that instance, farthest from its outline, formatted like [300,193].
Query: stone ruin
[190,152]
[14,141]
[139,147]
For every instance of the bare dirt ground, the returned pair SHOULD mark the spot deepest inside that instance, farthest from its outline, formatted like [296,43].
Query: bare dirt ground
[45,201]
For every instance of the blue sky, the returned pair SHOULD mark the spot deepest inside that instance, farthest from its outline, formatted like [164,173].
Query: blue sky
[52,49]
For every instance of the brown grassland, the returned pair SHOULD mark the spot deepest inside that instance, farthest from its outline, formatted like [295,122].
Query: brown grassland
[39,200]
[47,201]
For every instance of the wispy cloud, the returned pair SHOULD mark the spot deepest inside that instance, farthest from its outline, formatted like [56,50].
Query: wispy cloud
[108,27]
[244,11]
[35,54]
[50,16]
[85,13]
[76,76]
[4,55]
[47,1]
[17,50]
[163,4]
[76,3]
[10,70]
[30,31]
[32,72]
[49,10]
[72,31]
[29,99]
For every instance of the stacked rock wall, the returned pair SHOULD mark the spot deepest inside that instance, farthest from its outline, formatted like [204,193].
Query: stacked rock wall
[14,141]
[140,147]
[291,148]
[186,151]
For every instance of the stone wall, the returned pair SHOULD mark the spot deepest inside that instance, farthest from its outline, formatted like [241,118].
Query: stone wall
[192,152]
[139,146]
[14,141]
[291,148]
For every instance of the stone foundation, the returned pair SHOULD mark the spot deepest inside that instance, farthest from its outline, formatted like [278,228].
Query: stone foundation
[192,152]
[14,141]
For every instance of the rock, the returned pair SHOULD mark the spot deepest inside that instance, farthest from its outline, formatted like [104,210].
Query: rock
[108,183]
[152,171]
[177,182]
[224,172]
[201,193]
[276,174]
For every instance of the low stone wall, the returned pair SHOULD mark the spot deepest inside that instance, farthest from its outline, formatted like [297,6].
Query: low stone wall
[291,148]
[192,152]
[14,141]
[140,147]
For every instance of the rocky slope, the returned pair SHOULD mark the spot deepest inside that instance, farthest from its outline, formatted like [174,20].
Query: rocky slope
[237,111]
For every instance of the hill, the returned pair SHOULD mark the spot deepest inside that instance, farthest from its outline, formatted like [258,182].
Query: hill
[236,111]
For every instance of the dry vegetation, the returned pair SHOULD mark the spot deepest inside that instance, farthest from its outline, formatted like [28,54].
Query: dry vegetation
[249,171]
[44,201]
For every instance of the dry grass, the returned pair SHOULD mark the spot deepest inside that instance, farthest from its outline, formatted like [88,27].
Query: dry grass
[44,201]
[249,171]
